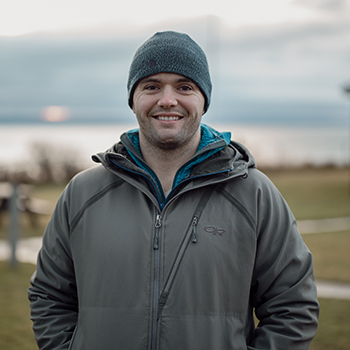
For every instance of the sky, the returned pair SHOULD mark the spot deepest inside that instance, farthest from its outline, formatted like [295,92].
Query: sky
[22,16]
[271,60]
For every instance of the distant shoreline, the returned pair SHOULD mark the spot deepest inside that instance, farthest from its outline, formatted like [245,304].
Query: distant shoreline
[273,146]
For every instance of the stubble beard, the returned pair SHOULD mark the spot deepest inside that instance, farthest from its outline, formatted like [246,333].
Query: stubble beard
[181,140]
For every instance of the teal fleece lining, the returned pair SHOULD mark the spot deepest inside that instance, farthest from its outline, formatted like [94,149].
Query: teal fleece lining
[208,137]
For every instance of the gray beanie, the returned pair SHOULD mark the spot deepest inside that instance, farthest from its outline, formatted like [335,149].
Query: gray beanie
[170,52]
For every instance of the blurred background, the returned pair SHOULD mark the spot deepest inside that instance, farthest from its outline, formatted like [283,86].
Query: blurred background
[281,84]
[280,71]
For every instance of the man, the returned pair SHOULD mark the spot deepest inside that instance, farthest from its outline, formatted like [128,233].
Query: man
[177,239]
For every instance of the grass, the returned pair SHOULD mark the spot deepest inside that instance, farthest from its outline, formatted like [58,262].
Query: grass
[314,193]
[15,325]
[333,329]
[311,194]
[331,255]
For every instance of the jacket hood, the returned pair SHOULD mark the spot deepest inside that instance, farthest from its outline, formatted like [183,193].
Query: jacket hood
[232,160]
[214,146]
[217,160]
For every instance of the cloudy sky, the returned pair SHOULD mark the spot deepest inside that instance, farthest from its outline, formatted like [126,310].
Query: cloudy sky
[21,16]
[271,60]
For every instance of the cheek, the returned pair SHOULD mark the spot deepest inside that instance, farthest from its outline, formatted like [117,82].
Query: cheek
[142,105]
[196,105]
[196,108]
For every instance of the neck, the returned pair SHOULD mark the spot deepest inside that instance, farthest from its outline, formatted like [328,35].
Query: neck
[165,163]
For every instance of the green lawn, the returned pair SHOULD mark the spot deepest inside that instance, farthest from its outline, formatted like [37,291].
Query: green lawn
[15,325]
[315,193]
[331,255]
[333,330]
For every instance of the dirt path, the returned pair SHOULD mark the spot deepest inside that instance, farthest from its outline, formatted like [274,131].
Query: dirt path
[324,225]
[333,290]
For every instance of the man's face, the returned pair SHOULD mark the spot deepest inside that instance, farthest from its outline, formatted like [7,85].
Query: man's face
[169,108]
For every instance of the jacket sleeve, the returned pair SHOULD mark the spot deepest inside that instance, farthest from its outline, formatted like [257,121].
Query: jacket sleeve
[283,288]
[53,295]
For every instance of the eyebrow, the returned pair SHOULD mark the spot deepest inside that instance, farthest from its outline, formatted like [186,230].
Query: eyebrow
[185,80]
[149,80]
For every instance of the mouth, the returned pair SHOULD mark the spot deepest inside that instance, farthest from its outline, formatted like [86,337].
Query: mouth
[167,118]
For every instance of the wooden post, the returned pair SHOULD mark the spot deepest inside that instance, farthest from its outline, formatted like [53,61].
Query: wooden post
[14,224]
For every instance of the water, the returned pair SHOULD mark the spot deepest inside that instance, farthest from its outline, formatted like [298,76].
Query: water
[271,146]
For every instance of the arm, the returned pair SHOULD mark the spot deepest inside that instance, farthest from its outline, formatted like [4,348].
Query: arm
[283,288]
[53,295]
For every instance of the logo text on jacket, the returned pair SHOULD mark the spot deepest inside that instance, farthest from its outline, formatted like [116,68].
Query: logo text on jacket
[214,230]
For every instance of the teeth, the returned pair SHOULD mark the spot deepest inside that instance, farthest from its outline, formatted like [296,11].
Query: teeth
[165,118]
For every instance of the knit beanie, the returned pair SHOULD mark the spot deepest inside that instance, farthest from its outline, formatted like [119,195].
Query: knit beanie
[170,52]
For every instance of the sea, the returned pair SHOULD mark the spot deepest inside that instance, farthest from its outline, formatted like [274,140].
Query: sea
[271,146]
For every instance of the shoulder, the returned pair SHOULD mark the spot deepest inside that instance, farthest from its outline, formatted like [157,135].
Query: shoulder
[253,184]
[93,174]
[89,183]
[97,175]
[259,197]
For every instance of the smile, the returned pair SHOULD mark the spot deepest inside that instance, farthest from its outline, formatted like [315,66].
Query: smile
[167,118]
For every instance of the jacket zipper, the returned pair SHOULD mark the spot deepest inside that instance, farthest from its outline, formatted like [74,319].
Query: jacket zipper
[194,229]
[157,226]
[159,301]
[190,236]
[156,281]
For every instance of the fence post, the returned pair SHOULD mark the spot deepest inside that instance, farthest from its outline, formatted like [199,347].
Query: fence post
[14,224]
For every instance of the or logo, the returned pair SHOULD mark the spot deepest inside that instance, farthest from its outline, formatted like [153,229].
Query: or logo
[214,230]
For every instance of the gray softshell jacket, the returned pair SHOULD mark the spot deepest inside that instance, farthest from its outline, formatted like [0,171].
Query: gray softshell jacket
[121,270]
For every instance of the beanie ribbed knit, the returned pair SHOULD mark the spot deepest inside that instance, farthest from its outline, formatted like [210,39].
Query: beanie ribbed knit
[170,52]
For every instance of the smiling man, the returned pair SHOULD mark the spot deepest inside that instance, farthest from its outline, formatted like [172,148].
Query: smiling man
[176,240]
[169,109]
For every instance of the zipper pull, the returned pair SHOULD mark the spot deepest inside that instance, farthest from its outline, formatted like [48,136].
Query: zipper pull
[194,231]
[156,235]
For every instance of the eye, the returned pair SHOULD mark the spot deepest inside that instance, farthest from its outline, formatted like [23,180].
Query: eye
[151,87]
[185,88]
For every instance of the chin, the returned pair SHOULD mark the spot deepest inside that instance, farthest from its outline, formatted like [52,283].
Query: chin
[168,145]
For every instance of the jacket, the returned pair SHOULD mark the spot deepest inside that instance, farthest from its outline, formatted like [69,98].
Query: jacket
[121,267]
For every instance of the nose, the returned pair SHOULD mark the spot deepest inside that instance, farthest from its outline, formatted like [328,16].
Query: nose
[167,98]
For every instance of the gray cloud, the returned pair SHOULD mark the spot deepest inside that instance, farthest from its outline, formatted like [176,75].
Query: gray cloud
[289,72]
[324,5]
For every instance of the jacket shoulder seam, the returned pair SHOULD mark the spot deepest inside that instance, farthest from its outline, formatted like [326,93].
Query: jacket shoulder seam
[91,201]
[239,206]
